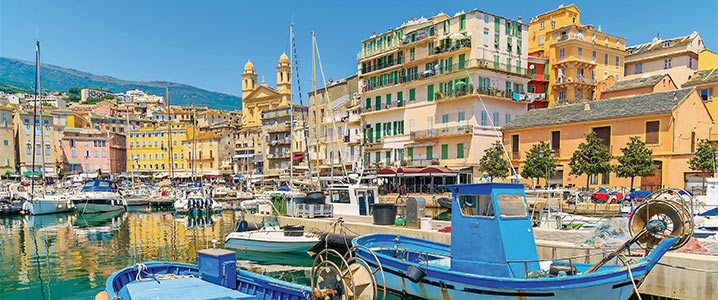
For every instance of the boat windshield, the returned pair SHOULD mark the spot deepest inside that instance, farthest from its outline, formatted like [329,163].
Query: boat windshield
[340,196]
[512,205]
[476,205]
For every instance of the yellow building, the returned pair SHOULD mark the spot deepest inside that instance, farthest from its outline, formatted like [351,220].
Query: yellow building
[706,83]
[150,150]
[707,60]
[579,55]
[212,150]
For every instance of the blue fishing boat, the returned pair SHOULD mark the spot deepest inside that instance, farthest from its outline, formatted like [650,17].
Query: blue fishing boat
[214,277]
[493,255]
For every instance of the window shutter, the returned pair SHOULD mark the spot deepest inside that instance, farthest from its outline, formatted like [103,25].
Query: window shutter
[430,93]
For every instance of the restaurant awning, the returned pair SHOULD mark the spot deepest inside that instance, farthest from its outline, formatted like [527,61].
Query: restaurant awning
[298,156]
[386,172]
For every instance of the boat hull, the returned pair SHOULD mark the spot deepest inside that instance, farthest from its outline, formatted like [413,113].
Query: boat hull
[97,206]
[44,207]
[441,282]
[267,246]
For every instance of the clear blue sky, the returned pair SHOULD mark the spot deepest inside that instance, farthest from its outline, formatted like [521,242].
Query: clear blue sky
[207,43]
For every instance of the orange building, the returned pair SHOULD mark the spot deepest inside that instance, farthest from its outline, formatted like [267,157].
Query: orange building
[638,86]
[671,123]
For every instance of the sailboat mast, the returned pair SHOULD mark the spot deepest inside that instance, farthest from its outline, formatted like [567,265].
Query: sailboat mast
[34,116]
[291,118]
[169,133]
[128,142]
[301,103]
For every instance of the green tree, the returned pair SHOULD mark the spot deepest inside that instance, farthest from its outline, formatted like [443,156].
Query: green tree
[493,162]
[637,160]
[540,163]
[591,158]
[703,161]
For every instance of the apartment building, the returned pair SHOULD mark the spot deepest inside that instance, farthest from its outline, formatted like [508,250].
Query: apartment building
[212,149]
[434,89]
[89,150]
[706,84]
[677,57]
[280,146]
[44,143]
[336,106]
[578,55]
[151,150]
[7,138]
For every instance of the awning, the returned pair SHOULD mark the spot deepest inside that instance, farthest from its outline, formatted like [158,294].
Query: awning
[421,144]
[246,155]
[437,170]
[225,166]
[28,174]
[258,158]
[408,170]
[74,164]
[298,156]
[386,171]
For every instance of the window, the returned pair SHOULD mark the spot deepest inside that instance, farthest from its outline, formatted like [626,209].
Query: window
[409,153]
[604,133]
[483,118]
[476,205]
[707,94]
[639,68]
[515,146]
[652,128]
[411,54]
[580,53]
[399,97]
[461,117]
[412,94]
[561,54]
[507,118]
[5,142]
[74,153]
[486,37]
[511,205]
[445,120]
[430,152]
[593,57]
[541,25]
[693,141]
[556,141]
[540,40]
[462,22]
[496,118]
[553,24]
[666,63]
[430,93]
[460,150]
[605,59]
[618,60]
[444,151]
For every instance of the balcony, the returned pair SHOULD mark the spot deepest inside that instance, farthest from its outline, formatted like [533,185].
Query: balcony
[454,93]
[374,108]
[377,67]
[278,155]
[280,127]
[577,79]
[421,161]
[418,35]
[540,77]
[460,44]
[442,132]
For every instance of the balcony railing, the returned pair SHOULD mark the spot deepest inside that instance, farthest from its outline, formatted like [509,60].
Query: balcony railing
[278,127]
[439,132]
[454,93]
[577,79]
[375,67]
[460,44]
[540,76]
[381,107]
[422,161]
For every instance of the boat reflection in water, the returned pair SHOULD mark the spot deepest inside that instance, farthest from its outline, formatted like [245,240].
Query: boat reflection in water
[50,222]
[99,226]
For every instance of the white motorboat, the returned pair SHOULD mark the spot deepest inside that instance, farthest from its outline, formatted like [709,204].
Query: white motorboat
[98,196]
[269,237]
[49,204]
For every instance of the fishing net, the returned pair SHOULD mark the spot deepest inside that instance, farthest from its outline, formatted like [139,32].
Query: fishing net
[609,234]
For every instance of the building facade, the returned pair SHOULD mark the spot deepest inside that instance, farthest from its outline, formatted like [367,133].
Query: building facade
[87,150]
[578,55]
[44,143]
[280,146]
[670,123]
[433,90]
[677,57]
[706,84]
[7,138]
[153,150]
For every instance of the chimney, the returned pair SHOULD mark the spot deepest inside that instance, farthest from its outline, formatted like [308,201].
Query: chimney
[586,107]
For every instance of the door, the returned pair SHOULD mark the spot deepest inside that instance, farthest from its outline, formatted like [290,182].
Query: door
[361,198]
[654,182]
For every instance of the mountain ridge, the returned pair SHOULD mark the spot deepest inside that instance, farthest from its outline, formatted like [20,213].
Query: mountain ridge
[21,73]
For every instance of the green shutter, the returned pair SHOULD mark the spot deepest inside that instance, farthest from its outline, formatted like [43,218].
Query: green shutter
[412,94]
[410,154]
[368,103]
[450,63]
[509,44]
[399,96]
[430,152]
[388,99]
[481,82]
[496,41]
[396,128]
[518,46]
[377,103]
[377,131]
[508,27]
[462,57]
[460,150]
[430,93]
[497,25]
[444,151]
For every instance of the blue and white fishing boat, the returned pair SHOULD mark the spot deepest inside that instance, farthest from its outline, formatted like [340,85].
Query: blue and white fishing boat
[99,196]
[493,255]
[214,277]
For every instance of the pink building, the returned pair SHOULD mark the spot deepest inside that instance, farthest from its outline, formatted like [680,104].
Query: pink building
[87,150]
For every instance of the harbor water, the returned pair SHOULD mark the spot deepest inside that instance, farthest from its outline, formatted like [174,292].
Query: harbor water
[69,256]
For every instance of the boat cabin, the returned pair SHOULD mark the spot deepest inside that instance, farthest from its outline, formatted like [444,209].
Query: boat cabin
[352,199]
[100,186]
[490,228]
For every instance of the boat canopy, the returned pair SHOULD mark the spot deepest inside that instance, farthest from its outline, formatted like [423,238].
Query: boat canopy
[100,186]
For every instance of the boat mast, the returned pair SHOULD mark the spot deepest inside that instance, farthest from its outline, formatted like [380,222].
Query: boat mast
[194,143]
[128,142]
[169,133]
[301,103]
[331,114]
[291,119]
[34,117]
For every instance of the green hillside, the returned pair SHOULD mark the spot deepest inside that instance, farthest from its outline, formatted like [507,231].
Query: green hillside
[20,74]
[12,89]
